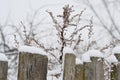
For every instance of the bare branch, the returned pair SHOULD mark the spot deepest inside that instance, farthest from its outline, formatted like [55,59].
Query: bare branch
[101,21]
[57,26]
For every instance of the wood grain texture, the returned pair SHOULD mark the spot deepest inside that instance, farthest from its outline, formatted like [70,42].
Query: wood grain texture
[32,66]
[94,70]
[79,72]
[69,67]
[115,74]
[3,70]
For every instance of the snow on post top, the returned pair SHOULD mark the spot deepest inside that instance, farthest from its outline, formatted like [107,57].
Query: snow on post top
[95,53]
[111,59]
[68,50]
[31,49]
[3,57]
[116,50]
[91,53]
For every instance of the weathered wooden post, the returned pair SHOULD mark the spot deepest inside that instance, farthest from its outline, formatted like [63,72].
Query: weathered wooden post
[115,73]
[69,67]
[32,65]
[3,67]
[94,70]
[79,72]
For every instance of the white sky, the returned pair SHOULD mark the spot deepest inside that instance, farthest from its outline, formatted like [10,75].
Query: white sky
[18,9]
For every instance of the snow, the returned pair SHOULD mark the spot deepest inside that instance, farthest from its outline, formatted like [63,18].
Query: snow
[51,74]
[68,50]
[53,78]
[95,53]
[54,72]
[111,59]
[86,58]
[91,53]
[78,61]
[3,57]
[116,50]
[31,49]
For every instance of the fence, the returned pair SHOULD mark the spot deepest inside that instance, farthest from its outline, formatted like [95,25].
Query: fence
[34,67]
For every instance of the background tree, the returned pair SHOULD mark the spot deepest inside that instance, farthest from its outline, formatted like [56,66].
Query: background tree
[106,12]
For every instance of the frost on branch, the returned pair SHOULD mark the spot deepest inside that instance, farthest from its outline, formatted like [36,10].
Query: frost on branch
[69,30]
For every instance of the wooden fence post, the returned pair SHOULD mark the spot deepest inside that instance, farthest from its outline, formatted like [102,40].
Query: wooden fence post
[3,69]
[94,70]
[79,72]
[32,66]
[69,67]
[115,74]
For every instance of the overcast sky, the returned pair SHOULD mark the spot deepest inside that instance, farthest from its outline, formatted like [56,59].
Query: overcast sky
[18,9]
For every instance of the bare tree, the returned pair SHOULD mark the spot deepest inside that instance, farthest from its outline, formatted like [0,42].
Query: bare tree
[25,34]
[113,29]
[69,20]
